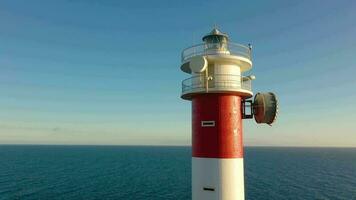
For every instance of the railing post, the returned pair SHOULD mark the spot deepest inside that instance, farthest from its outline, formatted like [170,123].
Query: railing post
[206,80]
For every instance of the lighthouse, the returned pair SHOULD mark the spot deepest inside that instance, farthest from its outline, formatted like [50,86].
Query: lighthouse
[220,96]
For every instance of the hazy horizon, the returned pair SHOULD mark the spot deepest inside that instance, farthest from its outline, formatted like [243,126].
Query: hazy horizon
[107,73]
[163,145]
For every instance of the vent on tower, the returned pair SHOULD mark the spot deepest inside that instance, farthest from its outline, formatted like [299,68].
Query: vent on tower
[207,123]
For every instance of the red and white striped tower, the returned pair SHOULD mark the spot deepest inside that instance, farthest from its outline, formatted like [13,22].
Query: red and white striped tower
[219,94]
[217,90]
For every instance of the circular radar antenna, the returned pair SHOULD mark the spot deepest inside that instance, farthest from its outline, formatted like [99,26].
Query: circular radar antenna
[198,64]
[265,108]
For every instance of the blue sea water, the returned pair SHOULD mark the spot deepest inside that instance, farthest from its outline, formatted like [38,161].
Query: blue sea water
[154,173]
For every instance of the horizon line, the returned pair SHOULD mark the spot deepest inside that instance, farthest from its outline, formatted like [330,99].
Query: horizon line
[156,145]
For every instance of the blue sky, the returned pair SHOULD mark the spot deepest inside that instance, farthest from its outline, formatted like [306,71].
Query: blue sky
[107,72]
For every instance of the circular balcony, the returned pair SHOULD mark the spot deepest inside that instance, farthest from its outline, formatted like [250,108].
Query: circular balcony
[203,49]
[219,83]
[222,50]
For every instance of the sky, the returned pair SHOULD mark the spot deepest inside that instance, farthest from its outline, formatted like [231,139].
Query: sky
[108,72]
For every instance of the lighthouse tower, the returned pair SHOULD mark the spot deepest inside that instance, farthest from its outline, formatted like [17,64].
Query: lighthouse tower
[219,92]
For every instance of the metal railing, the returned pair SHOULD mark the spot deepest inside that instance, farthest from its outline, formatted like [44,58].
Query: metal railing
[216,82]
[220,48]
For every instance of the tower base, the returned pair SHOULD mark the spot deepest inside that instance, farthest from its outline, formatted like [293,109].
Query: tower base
[217,179]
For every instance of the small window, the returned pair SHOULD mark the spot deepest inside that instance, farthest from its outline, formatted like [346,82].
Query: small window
[208,189]
[207,123]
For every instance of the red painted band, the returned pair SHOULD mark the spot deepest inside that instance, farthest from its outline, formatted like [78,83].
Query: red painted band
[224,140]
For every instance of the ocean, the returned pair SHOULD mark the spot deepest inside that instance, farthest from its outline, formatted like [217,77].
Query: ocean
[154,173]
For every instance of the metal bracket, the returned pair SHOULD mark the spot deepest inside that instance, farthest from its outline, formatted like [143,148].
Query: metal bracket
[245,106]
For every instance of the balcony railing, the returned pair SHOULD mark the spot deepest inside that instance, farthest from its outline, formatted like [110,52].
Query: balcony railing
[220,48]
[219,82]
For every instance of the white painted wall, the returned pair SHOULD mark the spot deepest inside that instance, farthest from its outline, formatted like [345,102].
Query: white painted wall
[221,68]
[226,176]
[232,78]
